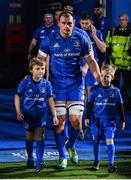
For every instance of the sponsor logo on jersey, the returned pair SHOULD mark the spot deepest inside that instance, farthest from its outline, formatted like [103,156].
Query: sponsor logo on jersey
[42,37]
[66,50]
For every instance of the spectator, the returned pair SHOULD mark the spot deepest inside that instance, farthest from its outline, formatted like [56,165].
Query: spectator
[118,41]
[100,22]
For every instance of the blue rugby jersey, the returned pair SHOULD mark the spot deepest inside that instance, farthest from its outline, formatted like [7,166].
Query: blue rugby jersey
[102,25]
[35,94]
[105,101]
[43,31]
[100,37]
[65,54]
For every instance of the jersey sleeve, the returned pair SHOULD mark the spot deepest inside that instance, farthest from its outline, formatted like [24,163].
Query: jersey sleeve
[91,97]
[21,88]
[44,49]
[119,97]
[49,90]
[99,35]
[87,45]
[36,34]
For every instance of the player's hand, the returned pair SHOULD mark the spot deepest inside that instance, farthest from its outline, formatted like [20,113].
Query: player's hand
[93,30]
[87,122]
[84,70]
[29,57]
[56,121]
[20,116]
[122,125]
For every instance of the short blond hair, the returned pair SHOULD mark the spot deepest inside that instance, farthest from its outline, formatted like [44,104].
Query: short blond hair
[111,69]
[35,61]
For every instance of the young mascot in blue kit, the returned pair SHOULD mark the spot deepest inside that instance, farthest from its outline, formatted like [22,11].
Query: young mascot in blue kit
[35,91]
[104,100]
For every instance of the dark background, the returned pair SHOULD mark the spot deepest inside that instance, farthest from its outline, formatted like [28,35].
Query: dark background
[24,16]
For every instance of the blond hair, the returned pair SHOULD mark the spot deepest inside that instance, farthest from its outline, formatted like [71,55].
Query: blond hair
[111,69]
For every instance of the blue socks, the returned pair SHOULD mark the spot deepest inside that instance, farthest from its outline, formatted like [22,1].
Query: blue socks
[60,142]
[73,134]
[39,153]
[111,153]
[96,149]
[29,149]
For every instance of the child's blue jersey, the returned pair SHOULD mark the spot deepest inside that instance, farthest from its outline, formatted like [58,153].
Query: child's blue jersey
[65,58]
[35,94]
[105,101]
[41,32]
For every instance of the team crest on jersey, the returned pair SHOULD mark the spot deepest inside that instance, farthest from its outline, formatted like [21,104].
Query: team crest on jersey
[56,45]
[76,44]
[112,94]
[42,90]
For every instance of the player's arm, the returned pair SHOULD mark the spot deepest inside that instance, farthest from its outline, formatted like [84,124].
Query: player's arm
[19,115]
[93,66]
[120,109]
[99,43]
[31,47]
[84,69]
[53,110]
[47,66]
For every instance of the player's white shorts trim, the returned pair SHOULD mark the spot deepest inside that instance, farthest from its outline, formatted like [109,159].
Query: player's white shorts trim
[76,109]
[60,109]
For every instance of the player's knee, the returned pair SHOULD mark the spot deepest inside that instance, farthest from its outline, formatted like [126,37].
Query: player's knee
[109,141]
[76,124]
[76,109]
[61,114]
[60,110]
[75,114]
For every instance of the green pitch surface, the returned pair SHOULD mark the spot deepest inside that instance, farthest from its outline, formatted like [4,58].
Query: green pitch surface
[81,171]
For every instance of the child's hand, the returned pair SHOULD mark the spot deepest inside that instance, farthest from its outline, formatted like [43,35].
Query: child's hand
[123,125]
[87,122]
[56,121]
[20,116]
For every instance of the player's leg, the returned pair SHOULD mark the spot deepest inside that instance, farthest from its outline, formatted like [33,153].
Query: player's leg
[75,116]
[60,133]
[29,140]
[39,139]
[90,81]
[109,134]
[96,137]
[40,124]
[29,148]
